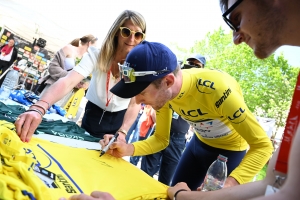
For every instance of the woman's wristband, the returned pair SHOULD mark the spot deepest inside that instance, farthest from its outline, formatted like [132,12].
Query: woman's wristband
[35,110]
[176,193]
[45,102]
[39,106]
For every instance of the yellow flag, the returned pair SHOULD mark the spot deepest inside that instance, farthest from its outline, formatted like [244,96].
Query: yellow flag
[73,104]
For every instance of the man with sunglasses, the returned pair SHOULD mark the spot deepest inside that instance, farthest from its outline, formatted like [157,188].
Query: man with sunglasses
[263,25]
[210,100]
[197,61]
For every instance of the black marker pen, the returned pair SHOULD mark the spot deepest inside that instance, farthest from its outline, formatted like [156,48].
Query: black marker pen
[108,145]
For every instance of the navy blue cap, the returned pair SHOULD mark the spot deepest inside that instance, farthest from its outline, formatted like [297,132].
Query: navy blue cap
[147,56]
[198,57]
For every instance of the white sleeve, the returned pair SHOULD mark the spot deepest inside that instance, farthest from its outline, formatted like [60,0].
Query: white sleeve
[88,62]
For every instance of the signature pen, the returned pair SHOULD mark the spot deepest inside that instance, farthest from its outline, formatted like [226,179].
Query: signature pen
[109,144]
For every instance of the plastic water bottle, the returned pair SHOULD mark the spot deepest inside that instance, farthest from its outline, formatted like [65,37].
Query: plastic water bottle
[216,175]
[4,93]
[10,81]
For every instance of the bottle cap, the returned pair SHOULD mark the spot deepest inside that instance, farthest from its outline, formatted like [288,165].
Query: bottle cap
[16,68]
[223,158]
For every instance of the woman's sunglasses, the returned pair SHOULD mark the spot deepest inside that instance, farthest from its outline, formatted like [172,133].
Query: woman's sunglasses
[126,32]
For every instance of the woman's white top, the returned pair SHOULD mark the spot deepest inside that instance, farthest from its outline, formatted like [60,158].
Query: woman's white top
[97,92]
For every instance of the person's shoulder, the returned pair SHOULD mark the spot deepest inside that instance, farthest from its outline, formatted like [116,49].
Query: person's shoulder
[90,57]
[209,81]
[68,48]
[216,75]
[205,74]
[93,50]
[93,53]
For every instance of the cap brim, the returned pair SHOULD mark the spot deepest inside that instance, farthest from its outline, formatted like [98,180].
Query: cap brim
[128,90]
[193,59]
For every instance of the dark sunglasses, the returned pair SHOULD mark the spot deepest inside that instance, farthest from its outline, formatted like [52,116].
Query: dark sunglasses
[126,32]
[227,20]
[194,64]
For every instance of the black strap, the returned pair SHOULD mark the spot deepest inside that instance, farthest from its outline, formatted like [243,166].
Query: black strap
[178,192]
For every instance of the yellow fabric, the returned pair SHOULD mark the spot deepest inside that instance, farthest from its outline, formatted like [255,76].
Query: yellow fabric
[73,103]
[72,171]
[212,102]
[16,169]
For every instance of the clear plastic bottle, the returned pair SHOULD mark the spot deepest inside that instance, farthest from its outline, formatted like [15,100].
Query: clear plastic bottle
[11,80]
[216,175]
[4,93]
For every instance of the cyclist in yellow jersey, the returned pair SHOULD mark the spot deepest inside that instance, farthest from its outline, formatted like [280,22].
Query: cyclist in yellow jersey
[165,162]
[210,100]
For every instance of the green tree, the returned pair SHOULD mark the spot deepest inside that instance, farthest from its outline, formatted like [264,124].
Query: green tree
[267,84]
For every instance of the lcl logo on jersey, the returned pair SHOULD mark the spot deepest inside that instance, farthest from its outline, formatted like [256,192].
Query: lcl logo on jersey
[181,95]
[238,116]
[192,113]
[203,84]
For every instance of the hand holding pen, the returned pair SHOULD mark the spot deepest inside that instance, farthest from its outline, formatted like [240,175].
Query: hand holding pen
[113,139]
[117,148]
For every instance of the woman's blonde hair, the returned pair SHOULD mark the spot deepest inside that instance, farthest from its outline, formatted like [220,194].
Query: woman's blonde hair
[110,43]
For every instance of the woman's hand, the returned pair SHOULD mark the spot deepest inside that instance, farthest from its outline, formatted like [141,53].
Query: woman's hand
[26,124]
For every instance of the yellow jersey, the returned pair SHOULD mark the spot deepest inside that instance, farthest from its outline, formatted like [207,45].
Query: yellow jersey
[212,102]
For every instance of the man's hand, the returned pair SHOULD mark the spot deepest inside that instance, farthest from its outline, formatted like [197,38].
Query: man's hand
[178,186]
[26,124]
[96,195]
[117,149]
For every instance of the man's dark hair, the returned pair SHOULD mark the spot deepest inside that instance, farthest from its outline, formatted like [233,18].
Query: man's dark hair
[224,5]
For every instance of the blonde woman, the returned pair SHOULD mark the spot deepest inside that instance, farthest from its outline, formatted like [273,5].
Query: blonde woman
[104,111]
